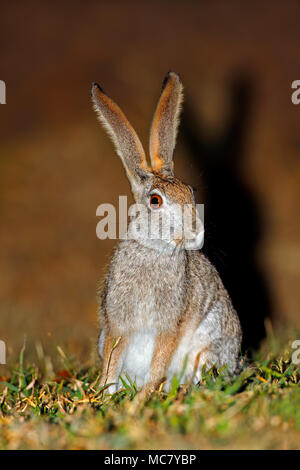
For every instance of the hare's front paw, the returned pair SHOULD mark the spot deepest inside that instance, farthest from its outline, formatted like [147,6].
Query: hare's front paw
[152,387]
[147,391]
[110,387]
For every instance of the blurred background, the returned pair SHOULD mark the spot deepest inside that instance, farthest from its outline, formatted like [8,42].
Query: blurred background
[238,144]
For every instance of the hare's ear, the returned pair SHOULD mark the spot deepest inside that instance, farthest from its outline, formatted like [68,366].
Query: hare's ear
[165,124]
[125,139]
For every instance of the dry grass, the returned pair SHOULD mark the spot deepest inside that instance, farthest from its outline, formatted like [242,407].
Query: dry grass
[258,410]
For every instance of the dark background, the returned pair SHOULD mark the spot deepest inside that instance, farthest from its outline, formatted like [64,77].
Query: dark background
[239,145]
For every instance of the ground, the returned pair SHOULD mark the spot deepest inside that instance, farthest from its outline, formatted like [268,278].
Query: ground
[260,409]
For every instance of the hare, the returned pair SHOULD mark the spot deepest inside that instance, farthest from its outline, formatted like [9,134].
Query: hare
[163,309]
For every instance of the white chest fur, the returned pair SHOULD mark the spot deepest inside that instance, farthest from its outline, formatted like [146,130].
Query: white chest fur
[136,359]
[138,356]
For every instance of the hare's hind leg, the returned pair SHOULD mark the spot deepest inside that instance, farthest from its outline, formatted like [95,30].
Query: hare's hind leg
[188,361]
[111,349]
[212,345]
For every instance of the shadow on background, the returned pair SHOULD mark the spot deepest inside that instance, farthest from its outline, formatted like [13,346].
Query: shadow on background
[232,219]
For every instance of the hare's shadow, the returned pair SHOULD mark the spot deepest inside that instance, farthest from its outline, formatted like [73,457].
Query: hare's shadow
[232,220]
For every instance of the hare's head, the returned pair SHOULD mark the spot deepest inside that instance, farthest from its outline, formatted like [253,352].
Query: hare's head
[165,215]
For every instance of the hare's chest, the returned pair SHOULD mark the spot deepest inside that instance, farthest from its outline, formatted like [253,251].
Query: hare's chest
[142,301]
[144,294]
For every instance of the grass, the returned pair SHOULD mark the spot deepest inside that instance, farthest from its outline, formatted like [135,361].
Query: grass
[260,409]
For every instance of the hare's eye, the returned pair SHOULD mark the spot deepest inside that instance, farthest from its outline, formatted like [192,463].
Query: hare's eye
[155,201]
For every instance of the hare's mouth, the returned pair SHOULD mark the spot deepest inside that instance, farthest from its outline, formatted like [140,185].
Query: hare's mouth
[194,240]
[190,241]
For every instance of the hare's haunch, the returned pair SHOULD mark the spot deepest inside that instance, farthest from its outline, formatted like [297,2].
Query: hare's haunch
[164,309]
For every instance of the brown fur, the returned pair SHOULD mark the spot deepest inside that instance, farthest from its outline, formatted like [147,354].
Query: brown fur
[172,298]
[124,137]
[112,351]
[175,189]
[164,126]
